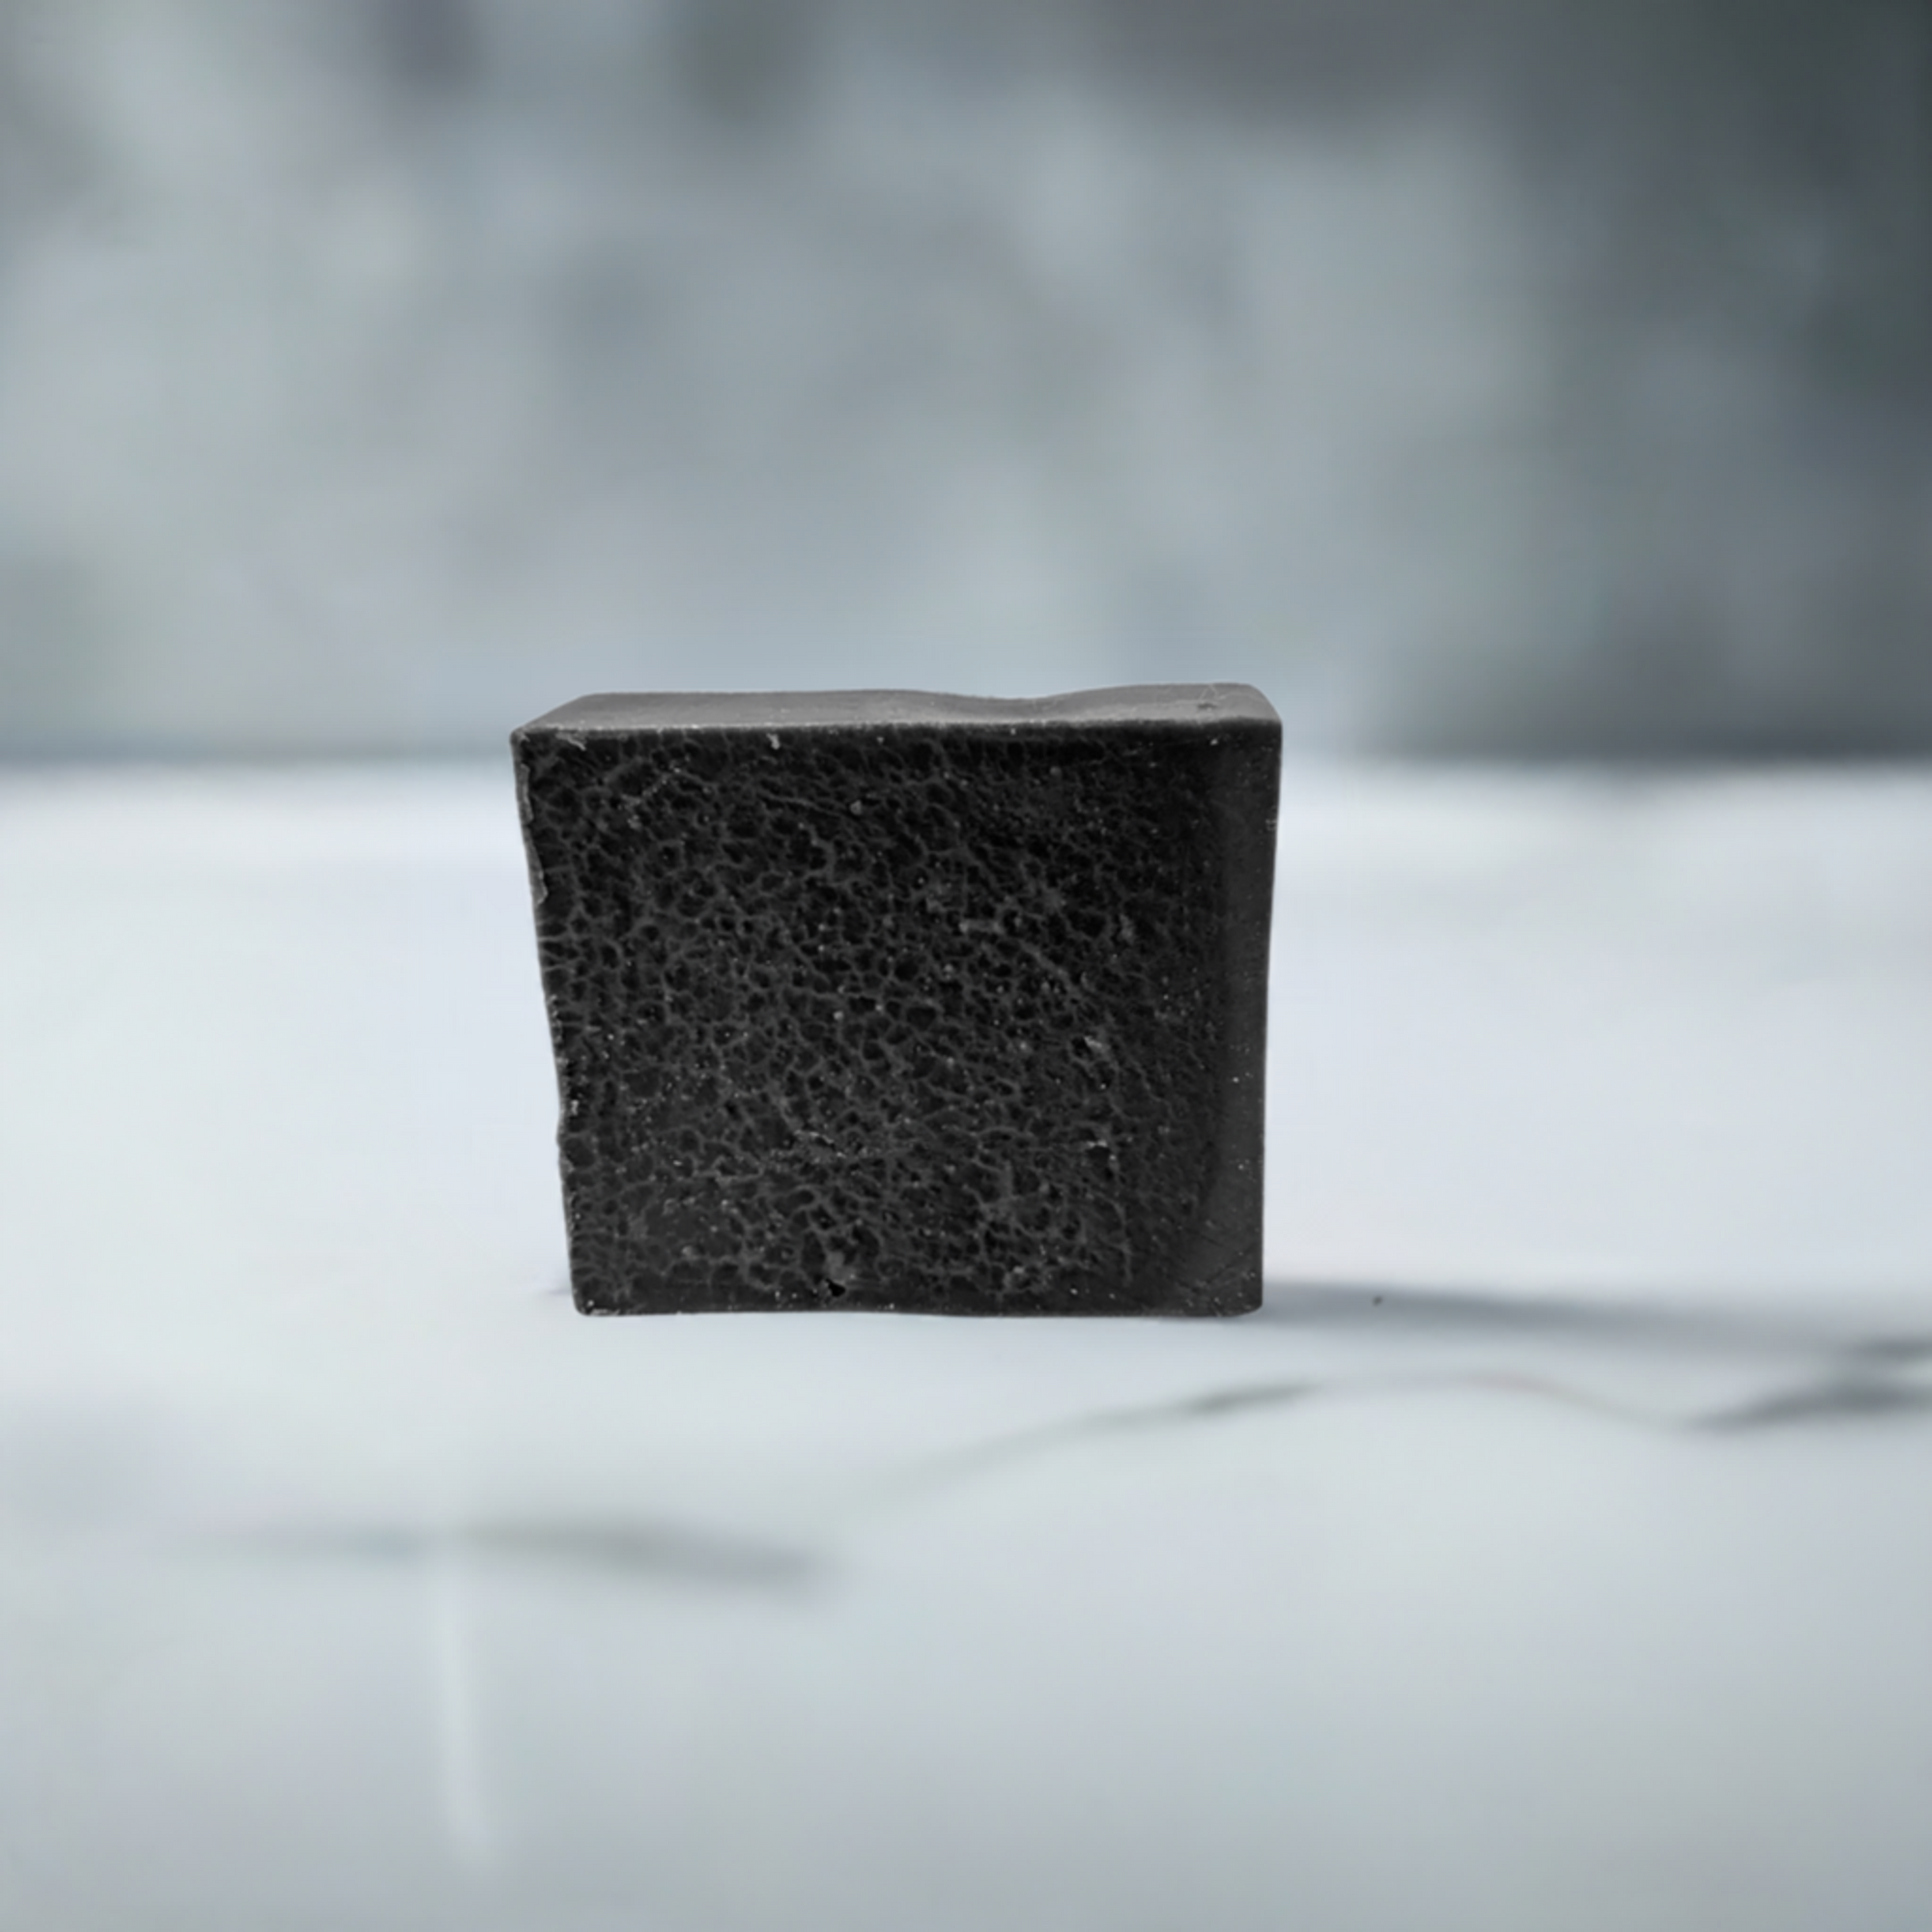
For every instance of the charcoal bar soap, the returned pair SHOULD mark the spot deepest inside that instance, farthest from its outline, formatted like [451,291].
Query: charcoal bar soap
[888,1000]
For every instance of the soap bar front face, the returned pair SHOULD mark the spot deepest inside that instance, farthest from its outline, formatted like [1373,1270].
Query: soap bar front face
[889,1000]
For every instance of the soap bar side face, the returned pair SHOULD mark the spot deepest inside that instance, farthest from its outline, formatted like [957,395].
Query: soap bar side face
[927,1016]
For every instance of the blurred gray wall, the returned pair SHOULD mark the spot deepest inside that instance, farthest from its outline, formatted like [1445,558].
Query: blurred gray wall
[1476,376]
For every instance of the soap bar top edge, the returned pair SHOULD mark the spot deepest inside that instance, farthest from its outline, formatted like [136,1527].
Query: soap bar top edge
[1159,706]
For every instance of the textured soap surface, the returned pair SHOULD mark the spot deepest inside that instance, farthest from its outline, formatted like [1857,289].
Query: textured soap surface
[894,1000]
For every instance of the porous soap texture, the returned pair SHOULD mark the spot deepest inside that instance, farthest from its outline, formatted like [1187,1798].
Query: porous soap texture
[888,1000]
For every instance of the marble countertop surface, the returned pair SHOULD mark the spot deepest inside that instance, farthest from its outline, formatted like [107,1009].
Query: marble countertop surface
[1550,1552]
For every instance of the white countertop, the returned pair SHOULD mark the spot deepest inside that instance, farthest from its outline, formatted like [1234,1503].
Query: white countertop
[1548,1554]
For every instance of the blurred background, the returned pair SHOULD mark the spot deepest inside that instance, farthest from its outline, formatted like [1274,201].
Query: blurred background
[1495,378]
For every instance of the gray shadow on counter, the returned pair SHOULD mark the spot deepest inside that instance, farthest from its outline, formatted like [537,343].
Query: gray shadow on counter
[622,1549]
[1835,1377]
[1843,1377]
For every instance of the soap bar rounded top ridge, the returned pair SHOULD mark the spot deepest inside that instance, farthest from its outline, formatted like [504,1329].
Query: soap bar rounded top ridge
[896,1000]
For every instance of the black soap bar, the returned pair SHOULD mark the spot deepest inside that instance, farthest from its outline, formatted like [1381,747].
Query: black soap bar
[886,999]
